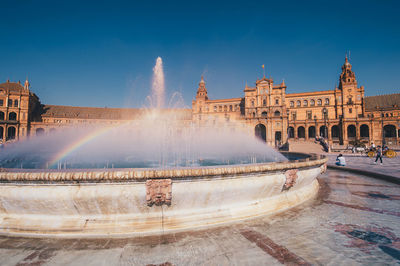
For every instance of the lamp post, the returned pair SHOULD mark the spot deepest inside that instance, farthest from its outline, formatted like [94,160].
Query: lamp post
[341,129]
[325,111]
[315,120]
[383,131]
[287,131]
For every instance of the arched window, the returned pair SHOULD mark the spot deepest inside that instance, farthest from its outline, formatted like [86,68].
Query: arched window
[319,102]
[312,102]
[326,101]
[12,116]
[11,132]
[298,103]
[389,131]
[291,104]
[351,132]
[305,103]
[364,131]
[264,114]
[252,103]
[335,132]
[260,132]
[39,131]
[277,113]
[301,132]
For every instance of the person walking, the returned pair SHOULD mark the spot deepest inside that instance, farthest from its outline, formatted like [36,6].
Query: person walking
[378,154]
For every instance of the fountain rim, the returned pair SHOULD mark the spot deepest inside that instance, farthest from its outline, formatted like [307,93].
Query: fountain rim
[142,174]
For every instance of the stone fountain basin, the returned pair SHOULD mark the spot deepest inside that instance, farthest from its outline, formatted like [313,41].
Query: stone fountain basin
[136,202]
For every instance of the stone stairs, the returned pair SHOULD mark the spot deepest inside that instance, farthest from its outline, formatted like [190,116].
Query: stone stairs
[306,146]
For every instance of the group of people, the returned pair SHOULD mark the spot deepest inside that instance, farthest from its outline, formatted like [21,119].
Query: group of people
[341,161]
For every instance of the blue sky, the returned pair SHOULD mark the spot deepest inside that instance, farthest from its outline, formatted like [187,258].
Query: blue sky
[101,53]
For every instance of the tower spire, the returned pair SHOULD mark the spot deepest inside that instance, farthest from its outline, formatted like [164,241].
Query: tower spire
[202,91]
[26,85]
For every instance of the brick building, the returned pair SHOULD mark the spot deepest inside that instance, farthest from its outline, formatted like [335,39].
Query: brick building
[340,115]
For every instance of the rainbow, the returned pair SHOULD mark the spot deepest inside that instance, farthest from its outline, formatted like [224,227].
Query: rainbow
[79,143]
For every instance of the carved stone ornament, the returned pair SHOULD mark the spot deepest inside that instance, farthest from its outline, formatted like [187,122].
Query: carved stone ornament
[323,168]
[291,177]
[158,192]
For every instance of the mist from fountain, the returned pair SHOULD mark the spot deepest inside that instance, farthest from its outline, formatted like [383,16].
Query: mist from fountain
[158,138]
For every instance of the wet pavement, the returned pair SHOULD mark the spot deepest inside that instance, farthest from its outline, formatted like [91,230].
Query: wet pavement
[354,220]
[390,166]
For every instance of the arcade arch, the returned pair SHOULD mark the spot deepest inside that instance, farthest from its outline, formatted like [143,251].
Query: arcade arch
[260,132]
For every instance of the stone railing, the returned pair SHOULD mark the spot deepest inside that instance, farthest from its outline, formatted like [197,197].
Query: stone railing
[138,174]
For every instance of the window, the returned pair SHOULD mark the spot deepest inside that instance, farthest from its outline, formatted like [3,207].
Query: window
[350,100]
[220,108]
[276,101]
[252,103]
[215,108]
[16,103]
[9,103]
[325,114]
[264,114]
[12,116]
[1,102]
[298,103]
[294,115]
[305,103]
[312,102]
[264,102]
[309,115]
[277,113]
[319,102]
[291,104]
[326,101]
[230,108]
[350,110]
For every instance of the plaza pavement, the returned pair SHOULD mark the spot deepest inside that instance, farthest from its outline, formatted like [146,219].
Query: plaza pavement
[390,166]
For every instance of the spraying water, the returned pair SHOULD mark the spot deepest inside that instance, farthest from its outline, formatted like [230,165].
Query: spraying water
[157,138]
[158,85]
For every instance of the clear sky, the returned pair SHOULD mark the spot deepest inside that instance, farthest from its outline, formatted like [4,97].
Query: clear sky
[101,53]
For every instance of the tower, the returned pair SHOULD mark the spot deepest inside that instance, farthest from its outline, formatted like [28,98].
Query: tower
[350,97]
[202,91]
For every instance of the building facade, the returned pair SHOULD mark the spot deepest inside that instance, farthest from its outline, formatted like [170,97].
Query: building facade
[341,115]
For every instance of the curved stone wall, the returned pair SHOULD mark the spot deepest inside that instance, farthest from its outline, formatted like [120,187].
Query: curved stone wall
[56,204]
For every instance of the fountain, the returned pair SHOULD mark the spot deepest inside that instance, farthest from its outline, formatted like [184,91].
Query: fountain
[158,173]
